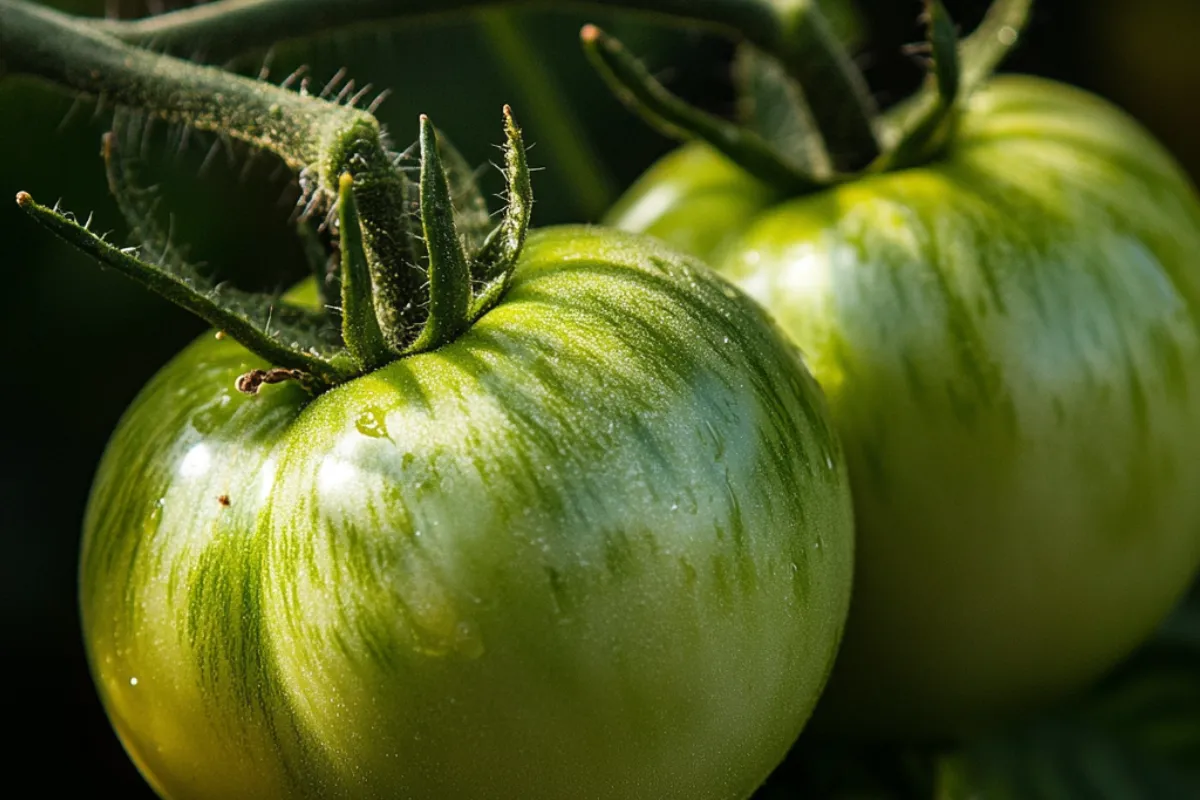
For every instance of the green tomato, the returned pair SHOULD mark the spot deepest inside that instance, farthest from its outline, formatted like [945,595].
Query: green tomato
[1008,339]
[598,546]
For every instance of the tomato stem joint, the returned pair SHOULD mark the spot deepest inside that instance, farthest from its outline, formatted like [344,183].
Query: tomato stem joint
[803,94]
[406,282]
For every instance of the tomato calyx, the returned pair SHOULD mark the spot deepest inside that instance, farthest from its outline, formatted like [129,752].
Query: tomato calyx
[792,111]
[416,262]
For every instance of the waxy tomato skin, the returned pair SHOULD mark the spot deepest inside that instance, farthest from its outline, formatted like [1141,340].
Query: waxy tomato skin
[598,546]
[1008,338]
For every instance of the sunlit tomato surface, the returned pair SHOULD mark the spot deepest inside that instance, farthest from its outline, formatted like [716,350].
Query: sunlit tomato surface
[1008,338]
[598,546]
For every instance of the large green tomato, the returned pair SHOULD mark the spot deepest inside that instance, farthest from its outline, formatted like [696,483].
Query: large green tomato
[598,546]
[1008,339]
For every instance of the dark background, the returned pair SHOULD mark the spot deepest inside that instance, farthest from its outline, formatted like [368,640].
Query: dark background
[79,342]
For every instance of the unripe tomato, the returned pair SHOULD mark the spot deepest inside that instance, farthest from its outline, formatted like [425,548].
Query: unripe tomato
[1009,338]
[598,546]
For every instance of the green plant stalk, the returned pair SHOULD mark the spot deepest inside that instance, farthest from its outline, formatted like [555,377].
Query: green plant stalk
[794,31]
[229,27]
[41,42]
[320,139]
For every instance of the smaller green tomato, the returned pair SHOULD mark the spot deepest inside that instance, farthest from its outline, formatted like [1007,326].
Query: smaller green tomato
[1009,338]
[599,546]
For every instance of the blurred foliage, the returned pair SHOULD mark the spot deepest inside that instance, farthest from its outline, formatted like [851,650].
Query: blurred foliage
[1135,736]
[84,341]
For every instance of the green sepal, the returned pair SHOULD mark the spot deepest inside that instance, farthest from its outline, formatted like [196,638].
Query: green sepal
[448,275]
[834,88]
[383,198]
[280,334]
[360,326]
[771,103]
[323,266]
[933,122]
[992,41]
[978,55]
[493,263]
[638,90]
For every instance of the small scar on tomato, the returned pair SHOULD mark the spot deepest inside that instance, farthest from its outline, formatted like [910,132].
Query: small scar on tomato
[252,381]
[223,500]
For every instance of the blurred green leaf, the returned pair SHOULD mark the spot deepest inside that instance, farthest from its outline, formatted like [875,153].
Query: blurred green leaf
[1135,736]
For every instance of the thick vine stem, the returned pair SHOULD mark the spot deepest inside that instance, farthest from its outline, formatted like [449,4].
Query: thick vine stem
[44,43]
[323,140]
[794,31]
[229,27]
[996,36]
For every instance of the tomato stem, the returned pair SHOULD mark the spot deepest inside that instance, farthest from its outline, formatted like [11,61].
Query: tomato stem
[229,27]
[794,31]
[416,293]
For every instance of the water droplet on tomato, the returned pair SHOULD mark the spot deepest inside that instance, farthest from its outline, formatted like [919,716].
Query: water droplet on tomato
[467,640]
[372,423]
